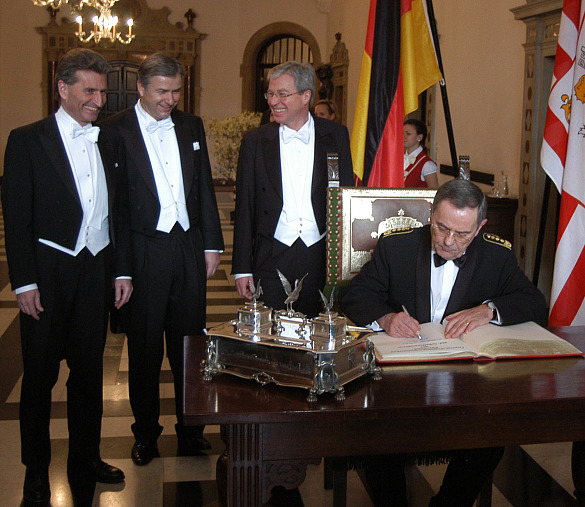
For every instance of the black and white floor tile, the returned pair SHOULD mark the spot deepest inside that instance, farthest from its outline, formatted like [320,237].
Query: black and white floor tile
[190,481]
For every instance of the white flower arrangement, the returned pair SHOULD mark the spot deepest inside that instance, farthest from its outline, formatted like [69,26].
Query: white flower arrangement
[225,138]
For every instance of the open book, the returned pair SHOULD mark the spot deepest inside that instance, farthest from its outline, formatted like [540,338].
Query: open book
[483,343]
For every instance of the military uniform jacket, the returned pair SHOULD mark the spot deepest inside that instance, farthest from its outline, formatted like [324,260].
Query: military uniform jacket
[399,274]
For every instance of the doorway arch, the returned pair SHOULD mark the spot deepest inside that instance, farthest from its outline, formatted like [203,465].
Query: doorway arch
[255,45]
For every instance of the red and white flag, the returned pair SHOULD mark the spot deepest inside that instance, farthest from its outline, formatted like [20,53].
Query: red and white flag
[563,159]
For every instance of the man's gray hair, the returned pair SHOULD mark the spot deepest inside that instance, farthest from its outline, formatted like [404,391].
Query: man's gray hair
[303,75]
[159,64]
[79,59]
[463,194]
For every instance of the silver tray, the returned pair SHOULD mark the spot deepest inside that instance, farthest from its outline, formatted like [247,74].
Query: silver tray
[321,366]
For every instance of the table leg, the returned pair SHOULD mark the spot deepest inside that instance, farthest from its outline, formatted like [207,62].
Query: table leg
[244,464]
[249,478]
[578,471]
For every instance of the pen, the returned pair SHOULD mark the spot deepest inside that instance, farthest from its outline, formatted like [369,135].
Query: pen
[406,311]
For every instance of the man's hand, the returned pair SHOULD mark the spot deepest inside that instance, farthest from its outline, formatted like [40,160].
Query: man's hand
[243,286]
[122,290]
[29,303]
[211,263]
[466,321]
[399,325]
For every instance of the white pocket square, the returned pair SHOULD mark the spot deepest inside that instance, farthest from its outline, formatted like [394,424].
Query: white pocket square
[196,146]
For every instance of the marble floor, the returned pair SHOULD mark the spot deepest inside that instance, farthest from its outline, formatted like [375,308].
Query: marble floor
[528,476]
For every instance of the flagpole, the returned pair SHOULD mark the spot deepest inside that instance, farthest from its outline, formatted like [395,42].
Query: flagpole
[541,229]
[443,85]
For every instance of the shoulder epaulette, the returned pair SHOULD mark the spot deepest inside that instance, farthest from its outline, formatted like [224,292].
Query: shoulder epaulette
[496,240]
[393,232]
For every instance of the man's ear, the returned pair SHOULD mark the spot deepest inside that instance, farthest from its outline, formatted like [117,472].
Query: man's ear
[480,226]
[62,89]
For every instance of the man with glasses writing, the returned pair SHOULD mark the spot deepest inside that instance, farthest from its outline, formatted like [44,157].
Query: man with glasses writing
[446,272]
[281,192]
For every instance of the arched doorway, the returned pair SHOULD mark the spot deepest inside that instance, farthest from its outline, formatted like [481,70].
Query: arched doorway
[279,49]
[252,86]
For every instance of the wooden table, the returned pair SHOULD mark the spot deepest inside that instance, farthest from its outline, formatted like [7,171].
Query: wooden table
[273,432]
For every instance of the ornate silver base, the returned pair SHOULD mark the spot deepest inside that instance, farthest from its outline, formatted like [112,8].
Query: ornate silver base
[317,366]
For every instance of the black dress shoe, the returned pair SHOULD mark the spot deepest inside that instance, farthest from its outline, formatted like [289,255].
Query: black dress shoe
[192,445]
[144,452]
[36,487]
[107,473]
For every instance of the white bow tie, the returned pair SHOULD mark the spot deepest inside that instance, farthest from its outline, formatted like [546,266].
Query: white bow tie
[409,159]
[289,134]
[91,133]
[165,124]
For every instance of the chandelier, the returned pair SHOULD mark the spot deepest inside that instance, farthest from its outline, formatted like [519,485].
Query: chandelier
[104,23]
[56,4]
[104,27]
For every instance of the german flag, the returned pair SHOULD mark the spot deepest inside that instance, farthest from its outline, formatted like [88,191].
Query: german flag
[399,63]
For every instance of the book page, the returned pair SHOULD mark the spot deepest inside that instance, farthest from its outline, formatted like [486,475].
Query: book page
[520,340]
[489,341]
[434,346]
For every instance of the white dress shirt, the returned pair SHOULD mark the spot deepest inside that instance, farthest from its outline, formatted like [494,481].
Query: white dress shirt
[163,151]
[442,281]
[90,181]
[297,219]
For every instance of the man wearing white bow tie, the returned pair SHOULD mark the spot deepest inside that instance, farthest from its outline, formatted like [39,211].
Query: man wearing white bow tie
[176,240]
[281,192]
[66,224]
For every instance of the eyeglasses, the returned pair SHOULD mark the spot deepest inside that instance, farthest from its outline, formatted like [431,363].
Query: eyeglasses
[459,237]
[279,95]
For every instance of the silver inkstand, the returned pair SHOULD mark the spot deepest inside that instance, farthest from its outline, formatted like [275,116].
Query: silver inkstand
[329,326]
[288,323]
[254,317]
[320,354]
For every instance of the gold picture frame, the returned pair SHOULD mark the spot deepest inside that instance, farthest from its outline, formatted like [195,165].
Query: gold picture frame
[358,216]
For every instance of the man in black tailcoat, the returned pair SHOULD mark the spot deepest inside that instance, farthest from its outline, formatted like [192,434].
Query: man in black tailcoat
[281,192]
[176,240]
[66,224]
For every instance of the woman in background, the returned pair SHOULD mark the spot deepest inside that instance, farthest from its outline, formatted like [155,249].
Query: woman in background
[327,109]
[419,170]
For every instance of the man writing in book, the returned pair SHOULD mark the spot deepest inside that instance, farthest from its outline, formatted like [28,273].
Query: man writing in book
[446,272]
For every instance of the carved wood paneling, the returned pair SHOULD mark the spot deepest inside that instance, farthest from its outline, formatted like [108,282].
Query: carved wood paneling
[542,26]
[153,33]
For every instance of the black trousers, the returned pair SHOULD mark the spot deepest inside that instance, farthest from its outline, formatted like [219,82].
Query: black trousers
[294,262]
[75,294]
[467,471]
[169,278]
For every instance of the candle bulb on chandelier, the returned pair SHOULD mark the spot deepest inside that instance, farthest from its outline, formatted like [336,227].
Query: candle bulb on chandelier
[130,23]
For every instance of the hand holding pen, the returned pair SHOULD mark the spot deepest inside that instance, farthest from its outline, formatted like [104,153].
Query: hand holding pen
[400,325]
[406,311]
